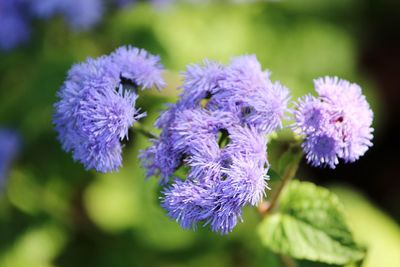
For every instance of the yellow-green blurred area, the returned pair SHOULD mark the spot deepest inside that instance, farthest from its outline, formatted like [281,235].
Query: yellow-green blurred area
[54,213]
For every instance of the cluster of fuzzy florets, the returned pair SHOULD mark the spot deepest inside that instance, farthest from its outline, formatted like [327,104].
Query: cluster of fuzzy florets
[211,154]
[95,109]
[217,131]
[336,124]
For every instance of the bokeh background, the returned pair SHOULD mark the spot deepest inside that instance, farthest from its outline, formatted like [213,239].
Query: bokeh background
[54,213]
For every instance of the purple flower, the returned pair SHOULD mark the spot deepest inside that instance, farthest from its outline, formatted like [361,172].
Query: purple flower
[95,111]
[9,147]
[160,160]
[188,202]
[200,82]
[244,74]
[216,131]
[14,28]
[265,108]
[94,74]
[336,124]
[139,66]
[220,180]
[245,90]
[246,142]
[215,195]
[192,130]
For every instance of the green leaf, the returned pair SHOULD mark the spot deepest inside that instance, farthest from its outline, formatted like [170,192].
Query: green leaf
[310,225]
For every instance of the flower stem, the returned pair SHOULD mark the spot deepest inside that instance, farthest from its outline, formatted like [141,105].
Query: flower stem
[140,128]
[287,261]
[293,156]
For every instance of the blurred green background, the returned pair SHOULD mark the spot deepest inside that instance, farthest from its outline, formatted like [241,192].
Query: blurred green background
[54,213]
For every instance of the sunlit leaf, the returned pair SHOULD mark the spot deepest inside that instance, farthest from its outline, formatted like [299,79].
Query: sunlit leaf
[310,225]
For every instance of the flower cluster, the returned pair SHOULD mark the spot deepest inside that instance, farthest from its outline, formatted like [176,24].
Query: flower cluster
[96,108]
[336,124]
[9,147]
[217,131]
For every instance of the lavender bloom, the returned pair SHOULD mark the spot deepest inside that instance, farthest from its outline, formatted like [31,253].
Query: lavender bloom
[322,150]
[336,124]
[192,130]
[265,108]
[218,196]
[200,82]
[95,111]
[14,28]
[94,74]
[244,74]
[9,147]
[188,202]
[246,90]
[160,160]
[103,119]
[236,104]
[221,180]
[139,66]
[213,201]
[246,142]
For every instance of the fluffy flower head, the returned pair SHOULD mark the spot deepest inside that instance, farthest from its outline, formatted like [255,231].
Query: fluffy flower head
[95,110]
[336,124]
[216,131]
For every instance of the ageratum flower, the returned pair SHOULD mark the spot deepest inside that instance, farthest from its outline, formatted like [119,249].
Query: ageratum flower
[247,91]
[140,67]
[220,183]
[9,147]
[241,88]
[95,110]
[14,28]
[216,132]
[221,180]
[200,82]
[336,124]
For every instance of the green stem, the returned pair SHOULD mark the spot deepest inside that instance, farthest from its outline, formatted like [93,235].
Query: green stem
[295,154]
[287,261]
[140,128]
